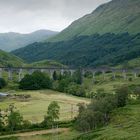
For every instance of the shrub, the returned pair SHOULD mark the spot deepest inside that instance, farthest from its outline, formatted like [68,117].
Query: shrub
[52,114]
[137,92]
[1,122]
[98,73]
[55,76]
[77,77]
[37,80]
[130,79]
[88,74]
[122,96]
[96,82]
[15,120]
[2,83]
[95,114]
[76,90]
[63,84]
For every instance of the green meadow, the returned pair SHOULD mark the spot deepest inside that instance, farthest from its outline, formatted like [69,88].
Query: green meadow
[124,125]
[35,107]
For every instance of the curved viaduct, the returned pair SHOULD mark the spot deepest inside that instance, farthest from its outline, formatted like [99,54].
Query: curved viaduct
[50,71]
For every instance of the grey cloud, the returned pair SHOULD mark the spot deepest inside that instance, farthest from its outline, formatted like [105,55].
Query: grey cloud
[28,15]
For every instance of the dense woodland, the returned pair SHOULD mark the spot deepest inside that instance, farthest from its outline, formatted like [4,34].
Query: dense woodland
[95,50]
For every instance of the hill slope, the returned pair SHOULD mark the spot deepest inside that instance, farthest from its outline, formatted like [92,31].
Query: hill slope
[99,38]
[11,41]
[124,125]
[117,16]
[95,50]
[47,63]
[7,59]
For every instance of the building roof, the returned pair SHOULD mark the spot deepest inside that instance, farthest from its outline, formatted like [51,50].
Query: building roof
[3,94]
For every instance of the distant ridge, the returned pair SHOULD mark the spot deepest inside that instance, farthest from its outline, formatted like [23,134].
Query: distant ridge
[11,41]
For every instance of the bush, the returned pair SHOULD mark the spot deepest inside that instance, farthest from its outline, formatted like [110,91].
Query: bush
[77,77]
[130,79]
[37,80]
[137,92]
[96,82]
[62,85]
[2,83]
[88,74]
[55,76]
[98,73]
[96,114]
[15,120]
[76,90]
[87,120]
[100,93]
[122,96]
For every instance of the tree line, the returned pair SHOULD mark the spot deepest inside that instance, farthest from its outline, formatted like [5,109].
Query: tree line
[67,83]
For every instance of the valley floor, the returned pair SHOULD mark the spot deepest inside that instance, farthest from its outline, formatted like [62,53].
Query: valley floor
[125,125]
[35,107]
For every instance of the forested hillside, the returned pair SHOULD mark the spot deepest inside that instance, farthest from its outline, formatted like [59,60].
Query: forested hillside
[95,50]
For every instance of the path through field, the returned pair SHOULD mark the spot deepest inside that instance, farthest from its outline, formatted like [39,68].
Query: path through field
[41,132]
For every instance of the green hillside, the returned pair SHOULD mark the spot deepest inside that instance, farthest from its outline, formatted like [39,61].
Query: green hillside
[95,50]
[117,16]
[108,36]
[7,59]
[125,125]
[46,63]
[134,63]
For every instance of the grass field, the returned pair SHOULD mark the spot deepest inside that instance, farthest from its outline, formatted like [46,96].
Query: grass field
[108,83]
[35,108]
[124,125]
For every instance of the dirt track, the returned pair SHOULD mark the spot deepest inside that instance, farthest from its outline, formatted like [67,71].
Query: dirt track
[41,132]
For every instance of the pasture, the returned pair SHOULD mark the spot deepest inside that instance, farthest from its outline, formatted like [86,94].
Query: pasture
[35,107]
[124,125]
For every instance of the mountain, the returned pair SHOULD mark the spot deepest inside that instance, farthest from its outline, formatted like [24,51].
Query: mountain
[108,36]
[7,59]
[117,16]
[11,41]
[95,50]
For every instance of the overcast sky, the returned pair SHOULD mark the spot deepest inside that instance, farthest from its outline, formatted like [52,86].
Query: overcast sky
[29,15]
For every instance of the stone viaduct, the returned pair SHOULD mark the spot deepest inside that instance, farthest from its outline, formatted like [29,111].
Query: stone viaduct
[21,71]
